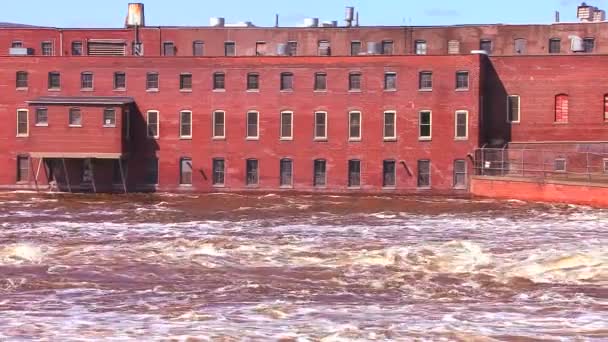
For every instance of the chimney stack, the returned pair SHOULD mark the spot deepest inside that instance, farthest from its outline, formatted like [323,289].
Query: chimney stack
[135,15]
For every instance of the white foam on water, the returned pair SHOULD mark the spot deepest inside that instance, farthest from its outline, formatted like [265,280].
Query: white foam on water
[21,253]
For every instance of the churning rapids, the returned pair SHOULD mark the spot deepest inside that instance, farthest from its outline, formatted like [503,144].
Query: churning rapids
[299,268]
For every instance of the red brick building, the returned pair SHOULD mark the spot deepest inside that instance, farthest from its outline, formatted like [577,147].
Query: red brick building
[336,109]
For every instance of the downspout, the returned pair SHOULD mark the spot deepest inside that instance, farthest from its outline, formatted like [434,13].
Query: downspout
[60,42]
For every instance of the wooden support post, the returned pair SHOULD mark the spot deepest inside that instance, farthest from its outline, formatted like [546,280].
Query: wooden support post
[91,163]
[122,175]
[67,177]
[36,174]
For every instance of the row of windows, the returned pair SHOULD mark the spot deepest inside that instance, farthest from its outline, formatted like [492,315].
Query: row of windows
[561,107]
[324,47]
[425,81]
[74,119]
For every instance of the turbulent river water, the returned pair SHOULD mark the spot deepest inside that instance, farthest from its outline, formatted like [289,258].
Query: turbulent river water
[299,268]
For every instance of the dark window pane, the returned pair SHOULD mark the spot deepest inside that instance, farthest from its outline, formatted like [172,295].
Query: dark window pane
[252,172]
[389,125]
[23,169]
[286,81]
[460,173]
[355,125]
[54,80]
[120,80]
[425,124]
[151,173]
[424,173]
[555,45]
[229,49]
[513,108]
[253,82]
[320,125]
[324,48]
[218,125]
[355,48]
[486,45]
[588,44]
[198,48]
[75,117]
[42,117]
[219,81]
[462,80]
[152,81]
[252,125]
[390,81]
[152,124]
[354,81]
[461,124]
[354,173]
[387,47]
[292,48]
[320,81]
[319,172]
[426,80]
[22,122]
[76,48]
[86,80]
[286,172]
[218,171]
[388,173]
[185,81]
[286,125]
[168,49]
[109,117]
[22,79]
[185,171]
[185,124]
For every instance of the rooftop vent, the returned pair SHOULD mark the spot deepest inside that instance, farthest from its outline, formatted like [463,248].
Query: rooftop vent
[217,22]
[135,15]
[311,22]
[349,16]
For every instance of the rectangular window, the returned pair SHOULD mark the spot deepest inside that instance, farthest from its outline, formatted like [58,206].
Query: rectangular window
[390,123]
[390,81]
[219,129]
[588,45]
[320,173]
[561,108]
[152,81]
[54,80]
[462,80]
[253,125]
[425,80]
[286,171]
[219,81]
[605,161]
[355,48]
[260,48]
[229,49]
[42,117]
[461,122]
[47,48]
[520,46]
[387,47]
[75,117]
[453,47]
[555,45]
[109,117]
[354,128]
[320,81]
[354,81]
[292,48]
[168,49]
[120,81]
[389,178]
[185,82]
[286,125]
[606,108]
[151,173]
[324,48]
[320,125]
[86,81]
[16,44]
[77,48]
[252,172]
[560,165]
[460,174]
[22,123]
[486,45]
[253,81]
[513,108]
[354,173]
[23,169]
[420,47]
[424,123]
[21,79]
[198,48]
[185,171]
[286,81]
[219,170]
[424,173]
[185,124]
[153,124]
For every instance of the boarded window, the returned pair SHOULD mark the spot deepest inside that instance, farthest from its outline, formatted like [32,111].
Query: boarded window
[252,125]
[109,117]
[168,49]
[185,124]
[219,129]
[420,47]
[486,45]
[355,48]
[286,172]
[252,172]
[320,81]
[185,82]
[260,49]
[324,48]
[286,81]
[218,171]
[286,125]
[320,172]
[229,49]
[42,117]
[198,48]
[513,108]
[461,125]
[86,80]
[520,46]
[185,171]
[151,171]
[320,125]
[253,81]
[354,129]
[21,79]
[390,133]
[354,173]
[424,125]
[153,123]
[388,173]
[460,174]
[120,80]
[387,47]
[22,123]
[424,173]
[462,80]
[555,45]
[453,47]
[152,81]
[354,81]
[425,80]
[588,45]
[219,81]
[75,117]
[23,168]
[390,81]
[561,108]
[54,80]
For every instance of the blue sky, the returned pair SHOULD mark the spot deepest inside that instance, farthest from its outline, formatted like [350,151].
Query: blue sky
[111,13]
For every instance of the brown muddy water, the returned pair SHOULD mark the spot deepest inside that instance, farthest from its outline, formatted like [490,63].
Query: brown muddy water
[299,268]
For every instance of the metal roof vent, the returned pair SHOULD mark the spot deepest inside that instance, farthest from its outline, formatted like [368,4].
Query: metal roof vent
[135,15]
[217,22]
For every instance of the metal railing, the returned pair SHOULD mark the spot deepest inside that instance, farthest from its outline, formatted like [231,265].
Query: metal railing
[542,164]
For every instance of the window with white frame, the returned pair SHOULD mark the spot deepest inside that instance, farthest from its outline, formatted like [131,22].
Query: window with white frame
[42,117]
[390,81]
[420,47]
[153,123]
[320,172]
[219,124]
[185,171]
[354,173]
[22,123]
[354,126]
[185,124]
[219,166]
[424,174]
[390,125]
[461,125]
[320,125]
[109,117]
[460,174]
[286,126]
[425,125]
[286,172]
[513,108]
[253,125]
[389,174]
[75,117]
